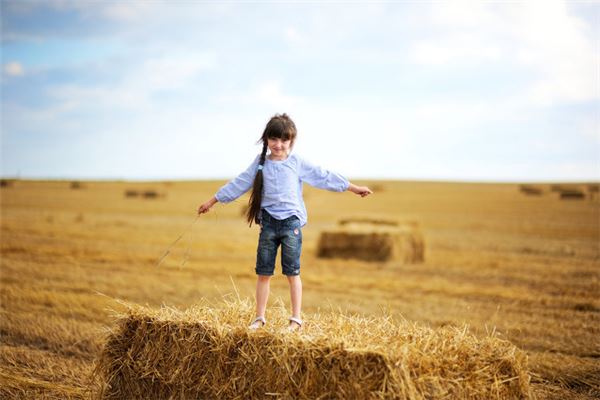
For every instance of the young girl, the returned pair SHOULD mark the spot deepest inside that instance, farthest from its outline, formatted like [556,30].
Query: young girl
[276,204]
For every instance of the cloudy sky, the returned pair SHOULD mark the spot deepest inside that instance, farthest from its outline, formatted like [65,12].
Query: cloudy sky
[444,90]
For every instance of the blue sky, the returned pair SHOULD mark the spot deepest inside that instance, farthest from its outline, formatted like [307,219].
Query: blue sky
[445,90]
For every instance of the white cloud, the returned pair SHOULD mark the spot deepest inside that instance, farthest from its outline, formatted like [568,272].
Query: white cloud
[461,49]
[557,46]
[541,37]
[294,37]
[137,82]
[267,93]
[14,69]
[173,70]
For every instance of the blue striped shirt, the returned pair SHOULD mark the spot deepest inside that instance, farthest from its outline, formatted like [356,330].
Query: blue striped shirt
[282,185]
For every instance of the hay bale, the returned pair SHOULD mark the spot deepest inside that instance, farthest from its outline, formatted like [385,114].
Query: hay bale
[208,353]
[572,194]
[6,182]
[593,190]
[152,194]
[531,190]
[146,194]
[560,187]
[593,187]
[76,185]
[372,239]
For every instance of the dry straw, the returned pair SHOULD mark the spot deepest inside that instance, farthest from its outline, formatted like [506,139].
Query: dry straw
[207,352]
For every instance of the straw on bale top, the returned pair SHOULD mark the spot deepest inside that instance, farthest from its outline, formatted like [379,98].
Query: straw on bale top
[207,352]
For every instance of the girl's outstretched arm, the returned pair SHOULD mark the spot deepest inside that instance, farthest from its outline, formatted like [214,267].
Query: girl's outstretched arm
[363,191]
[207,205]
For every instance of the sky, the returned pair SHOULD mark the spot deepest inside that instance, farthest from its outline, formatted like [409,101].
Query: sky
[428,90]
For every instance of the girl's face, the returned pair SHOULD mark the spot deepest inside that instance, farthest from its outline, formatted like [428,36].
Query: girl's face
[279,148]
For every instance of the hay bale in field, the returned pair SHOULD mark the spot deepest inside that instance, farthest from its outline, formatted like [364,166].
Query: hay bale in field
[373,239]
[131,193]
[6,182]
[146,194]
[208,353]
[76,185]
[560,187]
[531,190]
[593,187]
[593,190]
[152,194]
[572,194]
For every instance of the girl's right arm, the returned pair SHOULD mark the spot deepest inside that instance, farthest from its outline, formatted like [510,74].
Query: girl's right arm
[233,189]
[207,205]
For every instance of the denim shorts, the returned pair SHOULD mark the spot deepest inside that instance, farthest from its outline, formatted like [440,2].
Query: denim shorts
[275,232]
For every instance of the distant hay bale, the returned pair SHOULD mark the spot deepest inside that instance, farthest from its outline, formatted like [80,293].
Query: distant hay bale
[593,190]
[560,187]
[76,185]
[6,182]
[531,190]
[572,194]
[146,194]
[373,239]
[593,187]
[150,194]
[208,353]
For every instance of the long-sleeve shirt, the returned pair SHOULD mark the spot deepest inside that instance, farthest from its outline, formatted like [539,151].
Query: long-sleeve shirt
[282,185]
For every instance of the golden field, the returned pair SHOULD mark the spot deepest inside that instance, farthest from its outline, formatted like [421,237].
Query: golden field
[496,259]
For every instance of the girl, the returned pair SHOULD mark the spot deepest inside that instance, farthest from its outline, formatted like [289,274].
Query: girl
[277,206]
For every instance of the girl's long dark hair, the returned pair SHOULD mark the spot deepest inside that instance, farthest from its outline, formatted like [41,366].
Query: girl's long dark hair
[279,126]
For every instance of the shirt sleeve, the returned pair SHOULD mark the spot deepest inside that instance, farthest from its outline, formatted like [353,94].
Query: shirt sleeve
[239,185]
[322,178]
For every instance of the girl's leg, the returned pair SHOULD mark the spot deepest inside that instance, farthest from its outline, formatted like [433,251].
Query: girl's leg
[262,294]
[296,295]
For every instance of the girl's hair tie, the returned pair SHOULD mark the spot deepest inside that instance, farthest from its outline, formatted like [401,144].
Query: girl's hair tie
[260,166]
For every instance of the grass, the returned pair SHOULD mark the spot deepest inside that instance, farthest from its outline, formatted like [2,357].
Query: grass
[526,267]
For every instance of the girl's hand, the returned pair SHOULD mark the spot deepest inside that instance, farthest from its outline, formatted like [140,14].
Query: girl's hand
[206,206]
[362,191]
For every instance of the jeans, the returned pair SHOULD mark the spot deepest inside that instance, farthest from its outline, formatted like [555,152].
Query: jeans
[273,233]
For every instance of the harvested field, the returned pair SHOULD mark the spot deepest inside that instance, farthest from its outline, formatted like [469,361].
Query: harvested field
[526,267]
[207,352]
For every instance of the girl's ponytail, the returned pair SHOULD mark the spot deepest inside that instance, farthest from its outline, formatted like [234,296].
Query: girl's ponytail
[256,196]
[280,126]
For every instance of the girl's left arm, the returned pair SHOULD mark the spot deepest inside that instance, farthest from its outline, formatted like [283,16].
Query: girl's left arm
[324,179]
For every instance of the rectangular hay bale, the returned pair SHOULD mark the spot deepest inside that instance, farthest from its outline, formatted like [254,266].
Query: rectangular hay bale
[373,243]
[208,353]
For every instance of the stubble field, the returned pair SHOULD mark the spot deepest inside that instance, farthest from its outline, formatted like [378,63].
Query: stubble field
[526,267]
